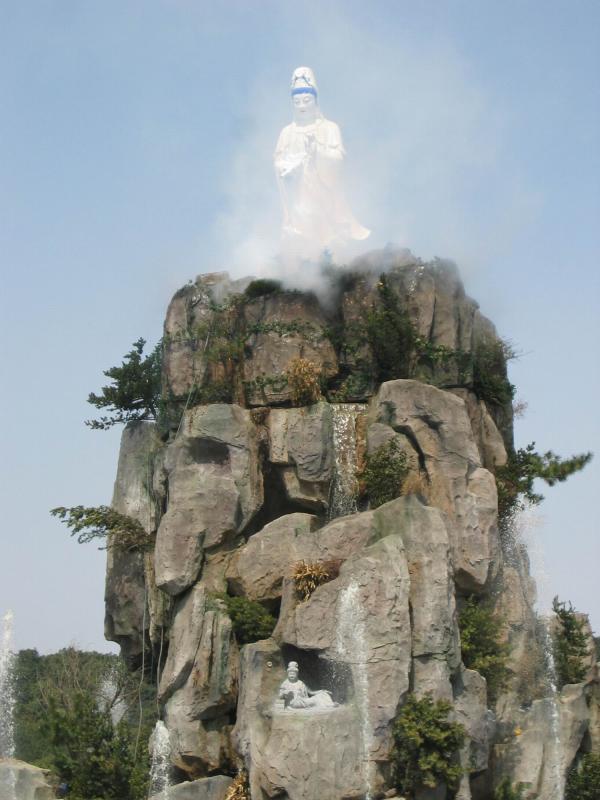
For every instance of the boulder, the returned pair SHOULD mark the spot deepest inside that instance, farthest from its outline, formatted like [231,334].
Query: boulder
[199,682]
[215,488]
[438,428]
[22,781]
[258,569]
[301,444]
[214,788]
[125,571]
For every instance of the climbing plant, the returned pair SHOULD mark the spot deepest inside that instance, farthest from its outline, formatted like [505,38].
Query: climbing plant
[507,791]
[384,473]
[102,522]
[570,644]
[391,334]
[490,380]
[304,380]
[134,391]
[482,646]
[426,745]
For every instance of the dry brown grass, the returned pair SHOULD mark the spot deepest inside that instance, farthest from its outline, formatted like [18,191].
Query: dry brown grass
[304,379]
[310,575]
[240,788]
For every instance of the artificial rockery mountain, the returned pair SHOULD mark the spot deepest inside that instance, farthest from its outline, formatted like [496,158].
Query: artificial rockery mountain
[244,477]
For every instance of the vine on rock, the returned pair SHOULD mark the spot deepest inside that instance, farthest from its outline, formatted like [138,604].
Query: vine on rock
[482,646]
[102,522]
[570,644]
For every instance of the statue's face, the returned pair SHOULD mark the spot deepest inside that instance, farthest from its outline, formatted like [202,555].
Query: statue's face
[292,673]
[305,108]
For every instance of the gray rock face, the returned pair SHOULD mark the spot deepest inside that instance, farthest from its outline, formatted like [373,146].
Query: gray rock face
[301,444]
[215,487]
[125,571]
[437,427]
[23,781]
[199,683]
[283,327]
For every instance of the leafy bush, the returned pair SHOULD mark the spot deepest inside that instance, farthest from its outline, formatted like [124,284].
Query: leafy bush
[570,644]
[384,473]
[103,522]
[426,746]
[515,480]
[583,782]
[261,287]
[135,390]
[304,380]
[481,644]
[490,381]
[250,620]
[63,722]
[308,576]
[391,335]
[506,791]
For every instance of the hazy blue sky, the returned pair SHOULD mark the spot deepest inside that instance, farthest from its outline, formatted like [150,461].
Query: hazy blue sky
[136,143]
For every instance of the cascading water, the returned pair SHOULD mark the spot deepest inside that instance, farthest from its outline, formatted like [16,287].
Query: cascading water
[7,707]
[527,555]
[160,771]
[342,499]
[352,648]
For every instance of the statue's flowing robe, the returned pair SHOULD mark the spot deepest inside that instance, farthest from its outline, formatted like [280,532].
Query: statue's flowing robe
[301,698]
[307,163]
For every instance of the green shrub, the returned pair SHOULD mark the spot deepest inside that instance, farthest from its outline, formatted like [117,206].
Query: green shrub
[250,620]
[570,645]
[261,287]
[135,390]
[515,480]
[103,522]
[384,473]
[391,335]
[490,381]
[583,782]
[481,644]
[426,746]
[506,791]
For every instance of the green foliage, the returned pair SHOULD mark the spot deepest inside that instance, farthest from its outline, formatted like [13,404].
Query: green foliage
[391,335]
[304,381]
[250,620]
[570,644]
[384,472]
[490,381]
[63,722]
[515,480]
[134,393]
[506,791]
[261,287]
[426,746]
[583,782]
[481,644]
[103,522]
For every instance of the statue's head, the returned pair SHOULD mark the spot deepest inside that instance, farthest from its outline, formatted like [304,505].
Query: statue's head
[292,671]
[304,96]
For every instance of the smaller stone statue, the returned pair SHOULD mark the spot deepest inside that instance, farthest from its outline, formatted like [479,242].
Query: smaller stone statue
[295,694]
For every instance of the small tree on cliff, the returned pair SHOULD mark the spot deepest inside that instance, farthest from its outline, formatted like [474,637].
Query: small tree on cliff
[134,393]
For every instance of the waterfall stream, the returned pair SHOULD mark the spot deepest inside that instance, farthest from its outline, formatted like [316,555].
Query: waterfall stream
[342,498]
[7,706]
[351,646]
[160,771]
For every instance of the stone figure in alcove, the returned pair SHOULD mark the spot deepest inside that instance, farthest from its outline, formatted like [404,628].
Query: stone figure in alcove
[296,695]
[308,160]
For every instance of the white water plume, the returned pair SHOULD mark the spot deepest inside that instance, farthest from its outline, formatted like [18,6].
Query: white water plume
[160,771]
[7,707]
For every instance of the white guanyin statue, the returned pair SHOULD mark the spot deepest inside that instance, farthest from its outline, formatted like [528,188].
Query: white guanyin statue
[296,695]
[308,160]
